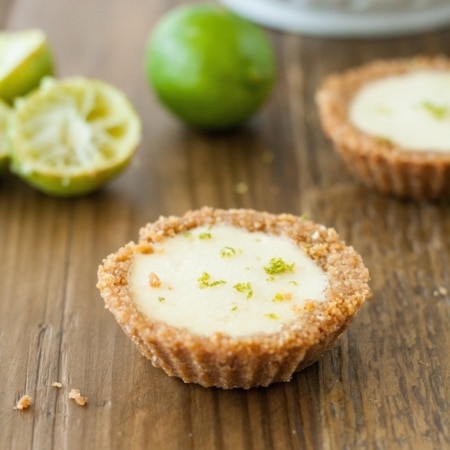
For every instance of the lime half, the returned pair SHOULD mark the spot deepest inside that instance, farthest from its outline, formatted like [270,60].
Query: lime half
[5,113]
[71,136]
[25,58]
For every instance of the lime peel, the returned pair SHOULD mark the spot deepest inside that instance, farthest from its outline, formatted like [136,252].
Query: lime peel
[5,114]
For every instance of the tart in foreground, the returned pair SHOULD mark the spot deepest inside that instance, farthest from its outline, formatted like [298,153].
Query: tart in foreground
[234,298]
[389,120]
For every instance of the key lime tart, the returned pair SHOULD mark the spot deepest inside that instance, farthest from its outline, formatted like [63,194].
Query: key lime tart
[234,298]
[390,122]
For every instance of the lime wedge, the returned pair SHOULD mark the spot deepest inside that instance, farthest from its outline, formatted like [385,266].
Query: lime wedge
[5,113]
[25,58]
[71,136]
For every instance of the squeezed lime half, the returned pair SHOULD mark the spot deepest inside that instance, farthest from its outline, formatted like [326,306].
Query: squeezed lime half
[25,58]
[69,137]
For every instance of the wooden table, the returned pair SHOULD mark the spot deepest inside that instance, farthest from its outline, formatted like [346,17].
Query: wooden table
[385,386]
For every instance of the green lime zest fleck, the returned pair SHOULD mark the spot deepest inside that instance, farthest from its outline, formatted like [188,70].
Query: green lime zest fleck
[277,265]
[205,281]
[187,234]
[439,112]
[161,299]
[383,140]
[205,235]
[267,157]
[272,316]
[282,296]
[244,287]
[234,308]
[227,252]
[293,282]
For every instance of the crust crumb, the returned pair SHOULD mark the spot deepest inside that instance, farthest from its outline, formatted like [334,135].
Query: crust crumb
[23,403]
[154,280]
[75,395]
[57,384]
[144,248]
[441,291]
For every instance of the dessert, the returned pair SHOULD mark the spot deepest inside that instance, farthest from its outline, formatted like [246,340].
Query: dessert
[234,298]
[390,123]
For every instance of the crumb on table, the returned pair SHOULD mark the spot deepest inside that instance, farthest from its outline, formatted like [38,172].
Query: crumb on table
[441,291]
[23,403]
[75,395]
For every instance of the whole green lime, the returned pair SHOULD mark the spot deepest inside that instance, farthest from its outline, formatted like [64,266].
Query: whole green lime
[208,66]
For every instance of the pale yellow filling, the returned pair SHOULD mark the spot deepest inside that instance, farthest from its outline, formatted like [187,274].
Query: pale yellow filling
[411,110]
[225,279]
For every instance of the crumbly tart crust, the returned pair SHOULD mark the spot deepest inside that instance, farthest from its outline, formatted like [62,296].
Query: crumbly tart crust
[378,163]
[246,361]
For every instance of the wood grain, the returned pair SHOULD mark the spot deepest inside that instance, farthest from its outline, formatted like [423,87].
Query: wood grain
[386,385]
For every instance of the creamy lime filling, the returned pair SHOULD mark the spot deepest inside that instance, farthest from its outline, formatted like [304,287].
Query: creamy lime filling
[411,110]
[225,279]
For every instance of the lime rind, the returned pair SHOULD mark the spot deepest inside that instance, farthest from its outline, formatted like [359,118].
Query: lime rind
[25,58]
[5,114]
[71,136]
